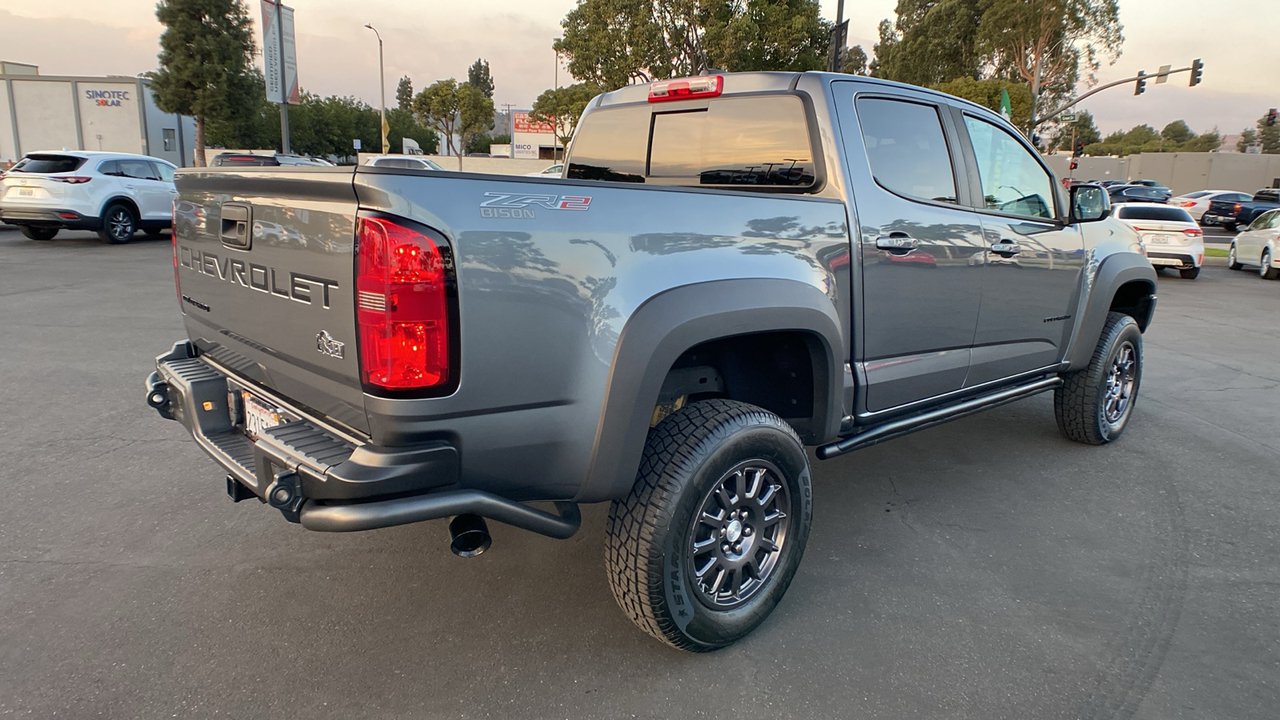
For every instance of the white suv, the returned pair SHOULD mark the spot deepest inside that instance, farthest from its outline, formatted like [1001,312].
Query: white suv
[116,194]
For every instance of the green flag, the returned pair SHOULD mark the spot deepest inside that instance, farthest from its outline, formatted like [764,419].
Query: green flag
[1006,108]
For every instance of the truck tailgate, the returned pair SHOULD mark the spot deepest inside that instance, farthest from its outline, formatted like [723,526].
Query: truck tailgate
[264,266]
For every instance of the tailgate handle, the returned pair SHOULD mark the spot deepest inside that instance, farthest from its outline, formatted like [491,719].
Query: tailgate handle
[235,225]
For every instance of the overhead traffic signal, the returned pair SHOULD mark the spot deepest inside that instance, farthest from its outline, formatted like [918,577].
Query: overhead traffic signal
[1079,149]
[1197,71]
[1141,86]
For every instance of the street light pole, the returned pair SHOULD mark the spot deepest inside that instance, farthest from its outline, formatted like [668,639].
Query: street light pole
[382,89]
[555,121]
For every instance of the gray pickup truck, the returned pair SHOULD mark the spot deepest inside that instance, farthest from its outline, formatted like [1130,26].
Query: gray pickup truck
[733,267]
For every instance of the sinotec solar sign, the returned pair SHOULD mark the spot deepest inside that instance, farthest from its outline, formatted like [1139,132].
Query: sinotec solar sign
[107,98]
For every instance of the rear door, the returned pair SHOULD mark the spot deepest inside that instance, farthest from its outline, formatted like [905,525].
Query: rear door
[920,288]
[142,180]
[1031,260]
[266,268]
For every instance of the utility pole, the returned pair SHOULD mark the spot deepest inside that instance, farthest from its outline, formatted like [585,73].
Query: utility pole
[284,91]
[511,124]
[382,89]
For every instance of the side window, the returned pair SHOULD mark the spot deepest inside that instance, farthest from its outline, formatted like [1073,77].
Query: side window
[138,169]
[166,172]
[110,167]
[1012,180]
[906,148]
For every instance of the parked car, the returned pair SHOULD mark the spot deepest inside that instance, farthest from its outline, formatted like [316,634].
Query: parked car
[115,194]
[668,341]
[1258,244]
[1172,237]
[1135,193]
[1108,183]
[1153,184]
[554,171]
[256,160]
[411,162]
[1197,203]
[1232,215]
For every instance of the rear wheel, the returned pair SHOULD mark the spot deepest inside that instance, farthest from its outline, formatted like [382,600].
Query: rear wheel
[38,233]
[711,535]
[1232,262]
[1265,271]
[1229,226]
[118,224]
[1189,273]
[1093,405]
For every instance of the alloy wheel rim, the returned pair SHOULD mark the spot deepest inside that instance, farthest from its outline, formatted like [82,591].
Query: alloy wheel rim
[1266,263]
[739,533]
[1122,377]
[121,224]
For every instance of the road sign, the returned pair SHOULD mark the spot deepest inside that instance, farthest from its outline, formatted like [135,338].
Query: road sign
[1163,78]
[1067,117]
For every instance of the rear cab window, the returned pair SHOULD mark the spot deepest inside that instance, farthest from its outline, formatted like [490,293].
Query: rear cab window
[748,142]
[49,164]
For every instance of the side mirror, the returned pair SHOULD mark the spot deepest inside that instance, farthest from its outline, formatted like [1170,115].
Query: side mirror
[1089,203]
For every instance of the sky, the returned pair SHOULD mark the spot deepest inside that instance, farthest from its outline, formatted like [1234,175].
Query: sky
[434,39]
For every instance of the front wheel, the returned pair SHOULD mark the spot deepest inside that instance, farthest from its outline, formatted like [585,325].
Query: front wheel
[1093,405]
[1265,271]
[715,526]
[118,224]
[1232,262]
[38,233]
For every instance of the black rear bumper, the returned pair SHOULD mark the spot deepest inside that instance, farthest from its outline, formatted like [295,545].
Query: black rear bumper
[37,217]
[317,474]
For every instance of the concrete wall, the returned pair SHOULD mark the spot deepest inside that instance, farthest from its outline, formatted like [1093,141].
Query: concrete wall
[109,116]
[1180,172]
[46,115]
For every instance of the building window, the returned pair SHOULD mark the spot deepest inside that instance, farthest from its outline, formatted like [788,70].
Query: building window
[170,139]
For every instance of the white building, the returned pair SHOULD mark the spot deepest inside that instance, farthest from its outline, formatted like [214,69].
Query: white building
[531,140]
[113,113]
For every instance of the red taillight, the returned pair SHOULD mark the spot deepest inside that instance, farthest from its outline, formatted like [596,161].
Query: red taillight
[1193,232]
[176,289]
[402,307]
[71,179]
[1187,203]
[68,215]
[687,88]
[1237,207]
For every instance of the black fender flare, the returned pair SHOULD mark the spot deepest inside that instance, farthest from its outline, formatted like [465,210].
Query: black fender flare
[667,325]
[1113,272]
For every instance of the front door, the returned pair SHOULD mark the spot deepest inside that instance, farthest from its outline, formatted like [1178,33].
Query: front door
[1031,260]
[919,288]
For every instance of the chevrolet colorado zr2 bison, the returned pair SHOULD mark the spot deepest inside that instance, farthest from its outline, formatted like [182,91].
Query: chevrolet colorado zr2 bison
[732,268]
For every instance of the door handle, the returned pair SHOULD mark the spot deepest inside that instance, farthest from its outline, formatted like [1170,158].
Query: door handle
[897,242]
[235,225]
[1006,248]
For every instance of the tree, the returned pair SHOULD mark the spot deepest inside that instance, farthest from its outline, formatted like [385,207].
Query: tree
[987,94]
[562,107]
[454,109]
[1085,131]
[1045,42]
[766,35]
[206,53]
[404,94]
[1268,137]
[855,61]
[479,78]
[930,42]
[253,124]
[1205,142]
[1248,138]
[1177,133]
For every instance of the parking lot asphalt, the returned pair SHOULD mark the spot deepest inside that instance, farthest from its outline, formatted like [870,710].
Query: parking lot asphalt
[984,569]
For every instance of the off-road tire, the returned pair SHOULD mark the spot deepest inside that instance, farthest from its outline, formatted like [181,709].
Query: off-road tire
[119,223]
[38,233]
[650,534]
[1080,402]
[1265,270]
[1232,262]
[1189,273]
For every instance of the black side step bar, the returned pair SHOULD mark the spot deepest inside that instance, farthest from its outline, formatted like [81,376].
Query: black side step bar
[898,428]
[351,517]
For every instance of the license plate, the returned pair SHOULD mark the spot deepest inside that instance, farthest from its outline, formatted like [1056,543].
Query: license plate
[1165,261]
[26,192]
[1158,239]
[258,416]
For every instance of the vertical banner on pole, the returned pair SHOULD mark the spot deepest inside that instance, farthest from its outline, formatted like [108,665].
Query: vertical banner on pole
[279,54]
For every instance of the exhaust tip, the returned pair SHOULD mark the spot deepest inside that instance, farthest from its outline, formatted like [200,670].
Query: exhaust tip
[469,536]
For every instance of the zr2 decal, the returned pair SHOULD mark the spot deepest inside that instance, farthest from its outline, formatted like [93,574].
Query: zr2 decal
[507,205]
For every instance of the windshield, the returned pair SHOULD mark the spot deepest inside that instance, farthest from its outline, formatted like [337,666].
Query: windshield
[47,164]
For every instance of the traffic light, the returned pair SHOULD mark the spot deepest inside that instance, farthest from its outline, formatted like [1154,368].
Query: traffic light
[1075,164]
[1271,117]
[1141,86]
[1079,150]
[1197,70]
